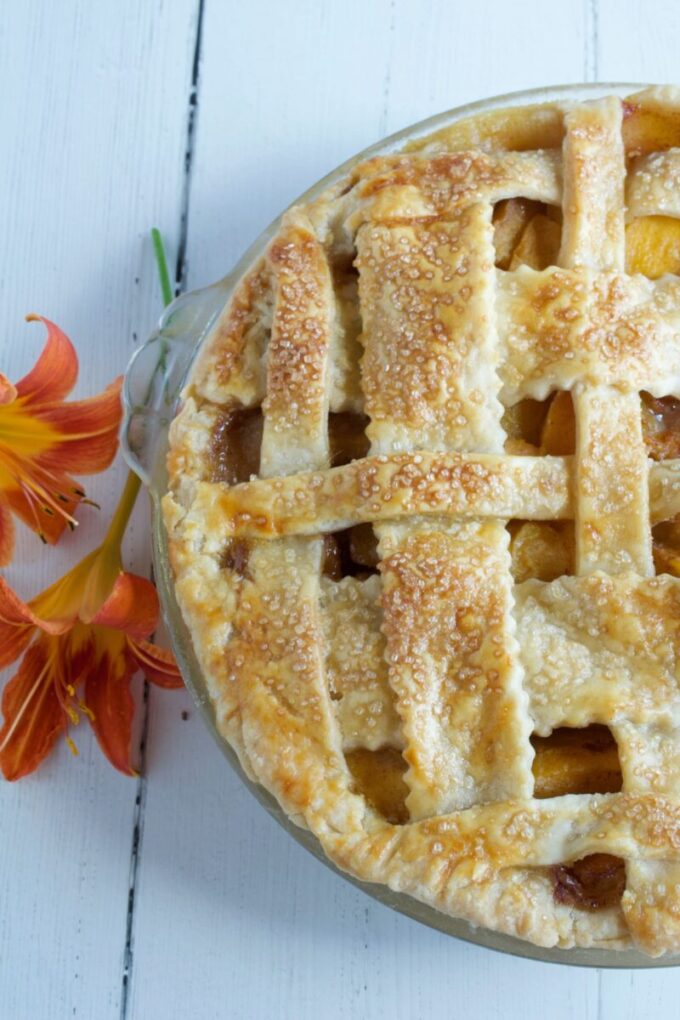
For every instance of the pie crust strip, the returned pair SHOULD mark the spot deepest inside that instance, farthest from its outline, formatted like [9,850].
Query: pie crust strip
[405,484]
[613,533]
[277,648]
[612,513]
[426,292]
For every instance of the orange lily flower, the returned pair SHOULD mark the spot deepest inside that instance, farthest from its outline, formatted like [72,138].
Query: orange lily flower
[43,439]
[83,638]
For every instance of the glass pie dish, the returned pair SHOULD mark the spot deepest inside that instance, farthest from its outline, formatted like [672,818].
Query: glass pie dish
[151,393]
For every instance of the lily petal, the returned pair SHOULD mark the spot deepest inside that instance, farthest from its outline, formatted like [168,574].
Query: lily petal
[43,438]
[33,716]
[132,607]
[157,664]
[8,390]
[88,432]
[17,624]
[55,372]
[6,535]
[108,697]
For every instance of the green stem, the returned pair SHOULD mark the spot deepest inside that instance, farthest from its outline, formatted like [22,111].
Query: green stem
[161,262]
[121,516]
[128,497]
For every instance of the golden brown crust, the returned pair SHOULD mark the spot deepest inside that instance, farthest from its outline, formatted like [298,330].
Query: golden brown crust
[441,656]
[388,487]
[563,327]
[453,666]
[392,188]
[426,291]
[230,368]
[296,406]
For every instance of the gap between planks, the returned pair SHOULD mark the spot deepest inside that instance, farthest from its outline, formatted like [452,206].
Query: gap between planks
[591,49]
[180,278]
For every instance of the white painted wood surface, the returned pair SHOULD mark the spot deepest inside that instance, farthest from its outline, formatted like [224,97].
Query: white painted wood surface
[231,919]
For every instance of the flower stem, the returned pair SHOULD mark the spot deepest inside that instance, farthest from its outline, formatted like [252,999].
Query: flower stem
[121,516]
[128,497]
[161,262]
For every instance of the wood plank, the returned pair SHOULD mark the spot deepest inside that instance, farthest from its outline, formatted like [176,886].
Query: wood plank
[334,78]
[636,994]
[635,45]
[93,123]
[255,927]
[226,898]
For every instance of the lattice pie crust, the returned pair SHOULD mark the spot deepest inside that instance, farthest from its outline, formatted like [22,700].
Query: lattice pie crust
[384,299]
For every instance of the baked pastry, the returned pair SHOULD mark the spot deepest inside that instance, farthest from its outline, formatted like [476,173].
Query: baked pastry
[421,515]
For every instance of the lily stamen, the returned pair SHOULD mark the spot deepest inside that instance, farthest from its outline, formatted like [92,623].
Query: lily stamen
[91,630]
[31,504]
[38,491]
[36,494]
[44,437]
[86,710]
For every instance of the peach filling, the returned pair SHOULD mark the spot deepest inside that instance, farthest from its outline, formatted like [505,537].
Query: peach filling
[649,128]
[581,761]
[347,437]
[350,553]
[592,883]
[661,426]
[526,233]
[576,761]
[379,776]
[235,446]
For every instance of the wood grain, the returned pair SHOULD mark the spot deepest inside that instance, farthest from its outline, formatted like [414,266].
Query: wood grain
[92,120]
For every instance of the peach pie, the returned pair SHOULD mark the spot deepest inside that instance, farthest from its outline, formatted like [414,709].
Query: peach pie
[422,503]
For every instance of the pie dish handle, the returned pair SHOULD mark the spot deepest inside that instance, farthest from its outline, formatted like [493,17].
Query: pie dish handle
[156,373]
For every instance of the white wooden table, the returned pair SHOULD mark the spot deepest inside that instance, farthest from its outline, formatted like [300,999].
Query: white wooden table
[176,896]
